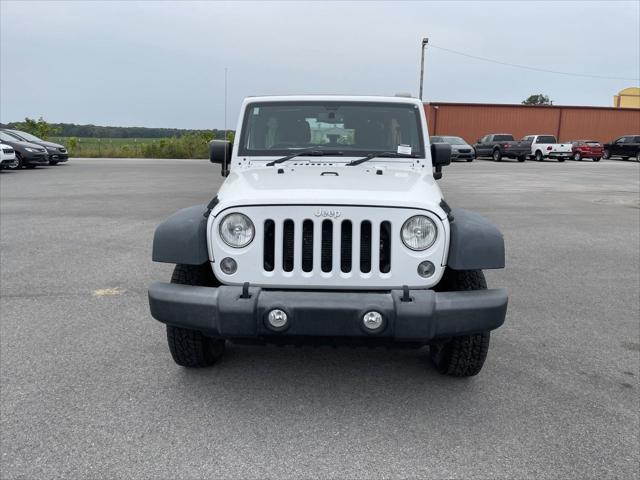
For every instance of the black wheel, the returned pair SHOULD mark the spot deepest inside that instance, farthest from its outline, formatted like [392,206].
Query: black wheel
[53,162]
[606,154]
[17,165]
[469,160]
[461,356]
[539,156]
[192,348]
[577,157]
[522,158]
[497,155]
[596,159]
[638,157]
[561,159]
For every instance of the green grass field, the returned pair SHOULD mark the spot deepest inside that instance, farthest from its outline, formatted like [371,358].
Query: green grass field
[105,141]
[186,146]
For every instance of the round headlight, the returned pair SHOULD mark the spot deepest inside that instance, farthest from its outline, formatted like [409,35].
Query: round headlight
[419,232]
[237,230]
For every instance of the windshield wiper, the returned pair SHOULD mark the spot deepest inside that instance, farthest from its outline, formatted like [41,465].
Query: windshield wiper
[378,154]
[310,152]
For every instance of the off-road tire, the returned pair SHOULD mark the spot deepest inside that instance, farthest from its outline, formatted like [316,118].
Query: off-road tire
[197,275]
[461,356]
[496,155]
[192,348]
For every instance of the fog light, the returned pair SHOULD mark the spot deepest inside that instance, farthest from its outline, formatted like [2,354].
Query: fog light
[277,319]
[228,265]
[372,321]
[426,269]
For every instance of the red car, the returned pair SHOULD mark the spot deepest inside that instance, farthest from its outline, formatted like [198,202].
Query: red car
[587,149]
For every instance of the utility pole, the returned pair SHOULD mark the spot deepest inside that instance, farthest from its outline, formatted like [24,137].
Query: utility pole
[425,41]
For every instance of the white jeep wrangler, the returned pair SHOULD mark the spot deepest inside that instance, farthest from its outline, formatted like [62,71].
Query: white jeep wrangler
[330,227]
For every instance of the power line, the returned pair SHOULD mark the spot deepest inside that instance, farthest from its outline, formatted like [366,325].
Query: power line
[526,67]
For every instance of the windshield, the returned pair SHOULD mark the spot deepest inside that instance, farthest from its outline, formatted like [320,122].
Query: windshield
[7,137]
[26,136]
[353,128]
[452,140]
[503,138]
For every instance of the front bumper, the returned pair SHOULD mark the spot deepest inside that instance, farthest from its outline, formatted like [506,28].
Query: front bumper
[35,159]
[227,313]
[58,157]
[462,156]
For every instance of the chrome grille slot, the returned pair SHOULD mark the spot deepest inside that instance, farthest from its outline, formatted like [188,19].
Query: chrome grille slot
[346,246]
[365,246]
[307,246]
[269,246]
[385,247]
[287,246]
[326,250]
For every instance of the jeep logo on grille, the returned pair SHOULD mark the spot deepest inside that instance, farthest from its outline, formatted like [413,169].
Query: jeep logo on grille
[324,212]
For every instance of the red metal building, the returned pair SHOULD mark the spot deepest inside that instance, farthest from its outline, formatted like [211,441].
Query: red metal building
[474,120]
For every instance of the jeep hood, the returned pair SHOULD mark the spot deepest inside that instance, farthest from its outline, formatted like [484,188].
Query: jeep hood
[366,185]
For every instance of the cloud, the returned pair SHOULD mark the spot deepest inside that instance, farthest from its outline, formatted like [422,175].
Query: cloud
[162,64]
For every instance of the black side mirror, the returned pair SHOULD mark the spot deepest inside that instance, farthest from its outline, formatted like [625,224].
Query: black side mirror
[440,157]
[220,152]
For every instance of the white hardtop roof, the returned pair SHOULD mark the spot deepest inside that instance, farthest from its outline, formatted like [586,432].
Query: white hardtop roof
[332,98]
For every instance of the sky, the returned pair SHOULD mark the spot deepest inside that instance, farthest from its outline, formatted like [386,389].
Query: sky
[162,64]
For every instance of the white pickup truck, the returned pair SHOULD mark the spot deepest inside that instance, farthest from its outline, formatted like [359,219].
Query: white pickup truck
[546,146]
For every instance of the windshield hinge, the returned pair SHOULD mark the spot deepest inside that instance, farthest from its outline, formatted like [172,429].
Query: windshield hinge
[214,201]
[447,209]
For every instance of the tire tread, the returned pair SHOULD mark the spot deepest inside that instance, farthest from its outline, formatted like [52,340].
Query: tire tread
[465,355]
[192,348]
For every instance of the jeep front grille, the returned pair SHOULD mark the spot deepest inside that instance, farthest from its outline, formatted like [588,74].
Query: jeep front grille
[318,239]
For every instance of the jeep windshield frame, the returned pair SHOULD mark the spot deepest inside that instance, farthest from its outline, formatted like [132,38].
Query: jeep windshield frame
[327,125]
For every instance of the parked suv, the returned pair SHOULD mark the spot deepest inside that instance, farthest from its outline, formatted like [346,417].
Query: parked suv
[625,147]
[460,150]
[499,145]
[27,154]
[56,153]
[7,156]
[586,149]
[330,227]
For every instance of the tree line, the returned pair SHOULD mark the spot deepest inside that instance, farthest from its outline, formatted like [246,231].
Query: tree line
[97,131]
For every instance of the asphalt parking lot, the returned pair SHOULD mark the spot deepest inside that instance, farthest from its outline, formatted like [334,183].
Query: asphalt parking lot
[88,388]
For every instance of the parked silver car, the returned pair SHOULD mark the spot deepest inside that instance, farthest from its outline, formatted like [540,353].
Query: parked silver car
[460,150]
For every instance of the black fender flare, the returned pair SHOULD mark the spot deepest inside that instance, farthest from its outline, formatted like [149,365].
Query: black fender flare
[475,243]
[182,238]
